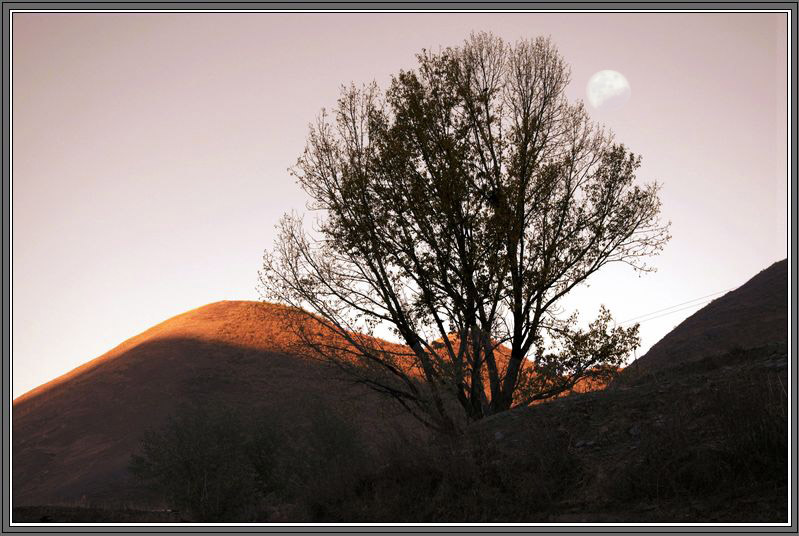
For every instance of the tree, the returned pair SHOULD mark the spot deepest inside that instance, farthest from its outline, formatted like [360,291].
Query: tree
[457,209]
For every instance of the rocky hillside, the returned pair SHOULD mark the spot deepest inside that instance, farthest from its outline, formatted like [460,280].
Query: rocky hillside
[752,315]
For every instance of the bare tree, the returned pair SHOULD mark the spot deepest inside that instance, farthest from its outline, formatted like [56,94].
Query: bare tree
[457,208]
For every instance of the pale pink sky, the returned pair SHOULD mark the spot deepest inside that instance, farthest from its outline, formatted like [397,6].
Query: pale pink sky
[150,153]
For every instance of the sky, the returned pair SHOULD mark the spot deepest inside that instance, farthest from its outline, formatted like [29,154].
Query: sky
[150,153]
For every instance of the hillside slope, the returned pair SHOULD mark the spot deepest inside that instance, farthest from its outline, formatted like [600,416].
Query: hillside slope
[704,441]
[753,315]
[697,435]
[73,437]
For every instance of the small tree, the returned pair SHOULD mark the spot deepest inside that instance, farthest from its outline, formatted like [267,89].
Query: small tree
[457,209]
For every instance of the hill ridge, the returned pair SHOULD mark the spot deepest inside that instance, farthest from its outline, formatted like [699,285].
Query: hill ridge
[73,436]
[752,315]
[131,342]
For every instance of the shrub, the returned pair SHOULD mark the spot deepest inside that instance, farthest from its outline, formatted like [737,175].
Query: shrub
[220,466]
[321,462]
[471,479]
[200,460]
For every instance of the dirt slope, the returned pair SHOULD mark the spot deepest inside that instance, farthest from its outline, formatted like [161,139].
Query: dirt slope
[73,437]
[703,441]
[694,431]
[755,314]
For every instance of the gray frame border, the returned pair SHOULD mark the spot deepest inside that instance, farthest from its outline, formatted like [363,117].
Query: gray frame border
[791,246]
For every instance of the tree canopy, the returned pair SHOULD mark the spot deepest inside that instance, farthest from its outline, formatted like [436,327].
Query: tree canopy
[457,208]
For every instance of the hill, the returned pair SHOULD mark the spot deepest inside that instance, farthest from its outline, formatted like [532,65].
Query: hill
[697,433]
[704,441]
[73,436]
[753,315]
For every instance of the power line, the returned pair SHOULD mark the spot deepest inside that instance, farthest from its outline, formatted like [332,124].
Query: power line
[705,298]
[675,311]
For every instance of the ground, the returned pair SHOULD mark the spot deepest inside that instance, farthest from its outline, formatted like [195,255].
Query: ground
[699,442]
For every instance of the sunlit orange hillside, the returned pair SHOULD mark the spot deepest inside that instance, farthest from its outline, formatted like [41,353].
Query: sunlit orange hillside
[502,356]
[73,437]
[223,322]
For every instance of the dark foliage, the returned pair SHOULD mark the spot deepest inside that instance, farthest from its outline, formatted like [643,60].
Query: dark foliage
[219,465]
[200,462]
[469,480]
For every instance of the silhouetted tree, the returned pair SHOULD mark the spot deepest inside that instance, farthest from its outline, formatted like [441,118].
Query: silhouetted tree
[457,208]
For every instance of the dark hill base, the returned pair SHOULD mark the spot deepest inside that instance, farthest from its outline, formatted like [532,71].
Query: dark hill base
[85,514]
[704,441]
[701,442]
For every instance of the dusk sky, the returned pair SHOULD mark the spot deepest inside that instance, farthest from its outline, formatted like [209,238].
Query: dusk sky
[150,153]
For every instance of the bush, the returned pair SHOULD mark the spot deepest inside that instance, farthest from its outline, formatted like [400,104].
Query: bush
[220,466]
[470,479]
[328,464]
[200,462]
[313,467]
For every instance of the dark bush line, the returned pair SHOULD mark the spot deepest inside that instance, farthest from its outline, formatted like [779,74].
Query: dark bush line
[215,465]
[218,465]
[471,480]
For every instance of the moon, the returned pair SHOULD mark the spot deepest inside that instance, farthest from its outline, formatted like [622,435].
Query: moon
[608,90]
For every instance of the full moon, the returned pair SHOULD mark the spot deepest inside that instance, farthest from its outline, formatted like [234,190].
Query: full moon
[608,90]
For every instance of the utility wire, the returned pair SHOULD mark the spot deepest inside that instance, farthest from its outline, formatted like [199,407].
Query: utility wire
[698,300]
[674,311]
